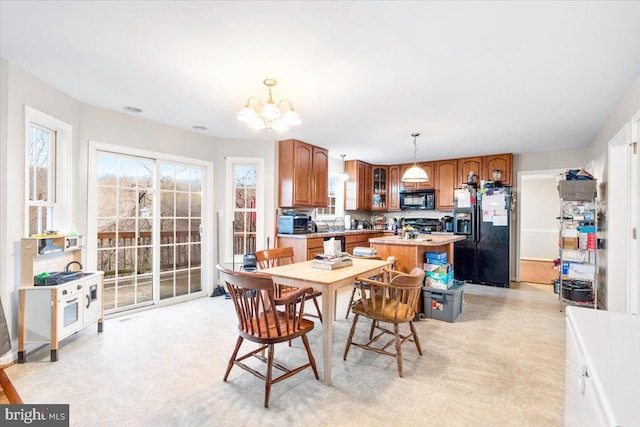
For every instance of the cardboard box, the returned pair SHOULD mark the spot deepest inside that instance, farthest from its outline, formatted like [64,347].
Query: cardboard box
[440,257]
[439,280]
[570,242]
[438,268]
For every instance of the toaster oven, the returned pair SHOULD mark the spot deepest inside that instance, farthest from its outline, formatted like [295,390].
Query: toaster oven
[293,224]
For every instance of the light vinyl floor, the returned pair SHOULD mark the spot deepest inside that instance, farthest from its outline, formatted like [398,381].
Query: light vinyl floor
[500,364]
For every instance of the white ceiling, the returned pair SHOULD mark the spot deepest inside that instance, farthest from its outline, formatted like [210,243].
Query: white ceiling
[472,77]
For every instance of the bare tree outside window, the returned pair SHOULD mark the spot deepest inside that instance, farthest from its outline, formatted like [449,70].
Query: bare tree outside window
[244,209]
[41,200]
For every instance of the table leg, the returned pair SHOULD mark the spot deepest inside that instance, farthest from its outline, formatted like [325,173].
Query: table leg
[327,329]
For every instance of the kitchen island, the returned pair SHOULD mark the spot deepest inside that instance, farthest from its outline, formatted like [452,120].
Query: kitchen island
[409,253]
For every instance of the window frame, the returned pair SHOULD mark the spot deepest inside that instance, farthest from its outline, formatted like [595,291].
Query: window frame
[61,211]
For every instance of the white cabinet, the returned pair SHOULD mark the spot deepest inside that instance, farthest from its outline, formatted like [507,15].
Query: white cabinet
[602,382]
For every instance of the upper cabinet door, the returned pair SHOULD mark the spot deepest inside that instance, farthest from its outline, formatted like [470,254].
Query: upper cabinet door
[303,160]
[358,186]
[428,168]
[502,163]
[302,174]
[468,165]
[320,181]
[379,190]
[393,188]
[446,176]
[367,190]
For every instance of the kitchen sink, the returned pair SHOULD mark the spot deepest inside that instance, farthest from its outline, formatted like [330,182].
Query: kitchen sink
[58,278]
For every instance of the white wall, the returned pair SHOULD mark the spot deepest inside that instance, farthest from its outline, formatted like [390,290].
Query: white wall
[22,89]
[91,123]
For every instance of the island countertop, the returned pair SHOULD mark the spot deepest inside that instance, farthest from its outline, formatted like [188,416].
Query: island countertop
[421,240]
[410,253]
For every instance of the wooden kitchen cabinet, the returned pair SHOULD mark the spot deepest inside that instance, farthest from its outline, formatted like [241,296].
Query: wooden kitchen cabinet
[303,174]
[412,186]
[501,162]
[467,165]
[446,172]
[359,185]
[393,188]
[380,186]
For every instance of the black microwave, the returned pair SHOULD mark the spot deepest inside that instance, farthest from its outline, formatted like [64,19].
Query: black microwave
[293,224]
[423,199]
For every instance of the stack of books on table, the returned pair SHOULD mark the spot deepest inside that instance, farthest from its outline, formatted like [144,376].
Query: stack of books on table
[331,262]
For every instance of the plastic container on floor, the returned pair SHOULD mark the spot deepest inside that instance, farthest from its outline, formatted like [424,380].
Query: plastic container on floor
[443,304]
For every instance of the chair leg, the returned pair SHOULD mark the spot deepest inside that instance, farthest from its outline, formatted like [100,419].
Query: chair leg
[267,387]
[315,302]
[396,329]
[233,357]
[350,339]
[312,361]
[353,293]
[374,323]
[415,337]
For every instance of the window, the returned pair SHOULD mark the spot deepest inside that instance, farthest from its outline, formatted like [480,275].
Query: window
[246,194]
[41,200]
[331,201]
[47,185]
[335,201]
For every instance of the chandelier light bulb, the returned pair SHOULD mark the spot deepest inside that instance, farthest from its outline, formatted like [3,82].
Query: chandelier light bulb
[247,115]
[257,125]
[292,118]
[270,111]
[280,126]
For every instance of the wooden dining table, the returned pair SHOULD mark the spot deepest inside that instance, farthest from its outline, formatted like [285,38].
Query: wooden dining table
[301,274]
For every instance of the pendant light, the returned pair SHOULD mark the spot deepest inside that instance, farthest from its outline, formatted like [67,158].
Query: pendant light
[415,173]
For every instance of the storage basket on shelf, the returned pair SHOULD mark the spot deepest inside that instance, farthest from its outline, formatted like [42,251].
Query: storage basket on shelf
[581,190]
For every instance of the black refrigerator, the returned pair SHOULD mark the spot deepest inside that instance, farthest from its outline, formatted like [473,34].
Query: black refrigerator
[484,218]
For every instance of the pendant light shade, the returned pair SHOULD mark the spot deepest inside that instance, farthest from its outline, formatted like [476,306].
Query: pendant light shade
[415,173]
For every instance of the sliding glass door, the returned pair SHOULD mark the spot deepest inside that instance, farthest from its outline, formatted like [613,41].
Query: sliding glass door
[149,217]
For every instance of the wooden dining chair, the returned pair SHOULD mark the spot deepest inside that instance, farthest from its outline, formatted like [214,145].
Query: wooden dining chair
[358,287]
[394,301]
[259,322]
[282,256]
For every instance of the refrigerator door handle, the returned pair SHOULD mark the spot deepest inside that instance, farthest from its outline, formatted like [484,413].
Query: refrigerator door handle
[476,224]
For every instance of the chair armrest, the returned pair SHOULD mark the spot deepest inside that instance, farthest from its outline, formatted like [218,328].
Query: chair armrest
[292,297]
[370,281]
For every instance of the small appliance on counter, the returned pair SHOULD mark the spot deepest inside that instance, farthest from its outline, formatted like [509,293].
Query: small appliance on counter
[292,222]
[446,224]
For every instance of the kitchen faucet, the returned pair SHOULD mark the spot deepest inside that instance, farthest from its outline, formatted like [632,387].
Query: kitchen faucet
[71,263]
[333,225]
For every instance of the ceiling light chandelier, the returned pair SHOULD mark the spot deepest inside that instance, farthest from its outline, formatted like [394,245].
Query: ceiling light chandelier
[415,173]
[268,116]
